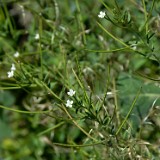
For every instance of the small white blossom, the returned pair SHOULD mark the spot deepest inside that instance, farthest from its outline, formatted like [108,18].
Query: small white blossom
[69,103]
[13,68]
[10,74]
[71,92]
[37,36]
[134,47]
[109,93]
[101,14]
[16,54]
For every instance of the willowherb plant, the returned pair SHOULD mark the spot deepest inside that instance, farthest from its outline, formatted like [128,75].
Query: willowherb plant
[88,88]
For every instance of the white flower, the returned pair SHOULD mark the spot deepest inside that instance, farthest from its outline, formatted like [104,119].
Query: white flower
[69,103]
[37,36]
[13,68]
[109,93]
[134,47]
[16,54]
[101,14]
[71,92]
[10,74]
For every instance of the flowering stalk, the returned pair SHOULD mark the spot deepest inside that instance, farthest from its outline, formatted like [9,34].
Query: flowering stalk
[16,54]
[11,72]
[71,93]
[101,14]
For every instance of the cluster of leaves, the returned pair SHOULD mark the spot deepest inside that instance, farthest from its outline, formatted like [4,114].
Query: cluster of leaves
[113,64]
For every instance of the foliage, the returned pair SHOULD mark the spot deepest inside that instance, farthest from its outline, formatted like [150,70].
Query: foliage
[112,64]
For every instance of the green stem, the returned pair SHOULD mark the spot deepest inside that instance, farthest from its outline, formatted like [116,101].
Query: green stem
[80,21]
[88,135]
[129,112]
[108,9]
[111,35]
[49,90]
[107,51]
[39,47]
[50,129]
[8,18]
[145,15]
[25,112]
[83,145]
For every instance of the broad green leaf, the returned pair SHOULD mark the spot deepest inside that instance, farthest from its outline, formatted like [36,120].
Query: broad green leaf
[128,86]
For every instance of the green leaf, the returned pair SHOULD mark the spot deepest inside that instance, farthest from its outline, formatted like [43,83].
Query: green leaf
[6,98]
[128,86]
[5,130]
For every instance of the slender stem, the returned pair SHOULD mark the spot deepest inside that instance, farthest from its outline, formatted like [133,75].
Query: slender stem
[129,112]
[83,145]
[108,51]
[80,22]
[145,15]
[108,9]
[116,102]
[39,47]
[49,90]
[111,35]
[25,112]
[8,18]
[88,135]
[56,11]
[80,83]
[51,128]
